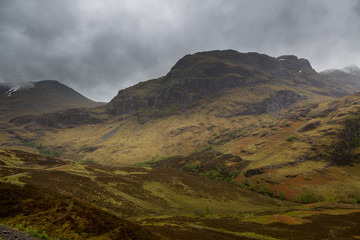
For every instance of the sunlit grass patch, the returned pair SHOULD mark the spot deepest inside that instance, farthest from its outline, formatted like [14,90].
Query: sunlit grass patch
[277,218]
[15,179]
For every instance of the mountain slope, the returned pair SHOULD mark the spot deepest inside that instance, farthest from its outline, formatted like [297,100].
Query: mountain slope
[346,75]
[217,130]
[39,97]
[67,200]
[310,149]
[206,98]
[252,83]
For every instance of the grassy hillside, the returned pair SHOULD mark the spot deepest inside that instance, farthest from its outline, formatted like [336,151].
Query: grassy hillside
[305,149]
[309,150]
[207,98]
[82,201]
[226,145]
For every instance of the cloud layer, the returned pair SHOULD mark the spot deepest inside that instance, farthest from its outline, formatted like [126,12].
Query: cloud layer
[99,47]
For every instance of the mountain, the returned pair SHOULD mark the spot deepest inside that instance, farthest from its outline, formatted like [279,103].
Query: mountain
[352,69]
[204,78]
[39,97]
[206,94]
[227,145]
[349,74]
[210,74]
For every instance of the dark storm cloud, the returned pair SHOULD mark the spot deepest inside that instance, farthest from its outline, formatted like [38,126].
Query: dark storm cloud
[99,47]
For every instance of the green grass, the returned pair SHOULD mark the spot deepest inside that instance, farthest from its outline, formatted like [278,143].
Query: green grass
[258,187]
[282,195]
[83,148]
[207,148]
[43,150]
[34,233]
[213,174]
[147,163]
[87,161]
[290,139]
[308,198]
[191,166]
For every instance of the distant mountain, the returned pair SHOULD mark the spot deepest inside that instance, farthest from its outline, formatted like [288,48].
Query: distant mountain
[38,98]
[348,75]
[352,69]
[173,147]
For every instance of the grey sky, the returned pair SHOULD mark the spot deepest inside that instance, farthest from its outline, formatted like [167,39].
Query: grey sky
[101,46]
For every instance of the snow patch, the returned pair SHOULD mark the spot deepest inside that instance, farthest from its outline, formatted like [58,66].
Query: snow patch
[14,86]
[12,90]
[281,59]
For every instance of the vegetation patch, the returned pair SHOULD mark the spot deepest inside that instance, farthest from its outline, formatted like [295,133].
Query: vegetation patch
[343,153]
[308,198]
[261,188]
[148,164]
[55,153]
[278,218]
[290,139]
[207,163]
[87,161]
[45,214]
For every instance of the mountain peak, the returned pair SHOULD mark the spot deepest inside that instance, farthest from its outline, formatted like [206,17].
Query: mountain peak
[21,98]
[222,63]
[352,69]
[209,74]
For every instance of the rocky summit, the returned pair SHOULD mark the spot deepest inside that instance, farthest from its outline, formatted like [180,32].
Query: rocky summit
[210,74]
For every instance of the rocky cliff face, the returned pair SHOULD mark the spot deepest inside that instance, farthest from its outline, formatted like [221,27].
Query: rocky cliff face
[68,117]
[277,101]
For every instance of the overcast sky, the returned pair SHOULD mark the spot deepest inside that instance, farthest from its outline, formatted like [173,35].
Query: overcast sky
[98,47]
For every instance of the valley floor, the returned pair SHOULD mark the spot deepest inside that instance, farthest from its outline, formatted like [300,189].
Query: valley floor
[59,199]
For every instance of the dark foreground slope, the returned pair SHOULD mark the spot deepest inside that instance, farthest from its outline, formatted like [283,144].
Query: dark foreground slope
[62,216]
[79,201]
